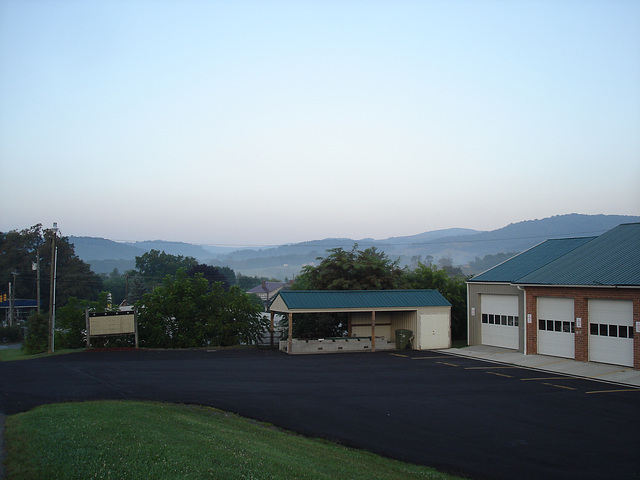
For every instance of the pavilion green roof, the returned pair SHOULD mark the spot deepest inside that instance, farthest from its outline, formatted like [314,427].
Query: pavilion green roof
[361,299]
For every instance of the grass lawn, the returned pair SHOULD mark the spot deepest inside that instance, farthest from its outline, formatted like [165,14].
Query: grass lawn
[142,440]
[8,354]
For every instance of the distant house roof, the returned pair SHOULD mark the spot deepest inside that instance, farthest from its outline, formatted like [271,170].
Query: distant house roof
[611,259]
[356,299]
[530,260]
[267,287]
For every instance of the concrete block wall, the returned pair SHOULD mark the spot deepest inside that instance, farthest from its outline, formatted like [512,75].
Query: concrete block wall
[335,345]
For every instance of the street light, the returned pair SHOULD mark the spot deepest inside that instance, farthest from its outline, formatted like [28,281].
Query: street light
[52,287]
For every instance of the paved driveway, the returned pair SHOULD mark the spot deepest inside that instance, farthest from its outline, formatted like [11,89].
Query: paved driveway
[458,414]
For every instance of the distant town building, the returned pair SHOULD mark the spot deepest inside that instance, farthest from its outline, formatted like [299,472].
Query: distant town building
[267,291]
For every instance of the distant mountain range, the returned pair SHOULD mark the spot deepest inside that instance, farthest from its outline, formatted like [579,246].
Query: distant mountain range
[460,245]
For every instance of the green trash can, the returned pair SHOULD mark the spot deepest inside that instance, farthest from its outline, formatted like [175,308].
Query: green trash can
[403,338]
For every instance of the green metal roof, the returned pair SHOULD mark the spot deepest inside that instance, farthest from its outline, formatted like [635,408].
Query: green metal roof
[531,260]
[612,259]
[361,299]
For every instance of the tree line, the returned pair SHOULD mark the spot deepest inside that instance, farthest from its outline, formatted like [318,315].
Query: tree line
[181,303]
[184,304]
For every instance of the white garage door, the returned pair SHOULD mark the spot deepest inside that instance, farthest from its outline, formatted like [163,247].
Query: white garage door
[499,320]
[611,331]
[556,327]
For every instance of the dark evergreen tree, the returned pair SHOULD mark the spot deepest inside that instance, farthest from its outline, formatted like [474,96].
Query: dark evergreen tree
[210,273]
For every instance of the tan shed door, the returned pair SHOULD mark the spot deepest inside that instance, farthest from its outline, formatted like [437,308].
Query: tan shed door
[611,332]
[434,331]
[500,320]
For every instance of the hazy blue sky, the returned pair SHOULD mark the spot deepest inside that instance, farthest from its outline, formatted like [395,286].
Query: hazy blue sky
[264,122]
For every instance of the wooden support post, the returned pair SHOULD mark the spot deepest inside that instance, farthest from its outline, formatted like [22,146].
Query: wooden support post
[373,331]
[290,341]
[271,329]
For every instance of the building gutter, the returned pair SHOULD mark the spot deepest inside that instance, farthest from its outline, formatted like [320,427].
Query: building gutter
[553,285]
[489,283]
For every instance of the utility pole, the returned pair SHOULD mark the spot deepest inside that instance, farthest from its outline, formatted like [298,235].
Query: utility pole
[52,287]
[12,306]
[36,267]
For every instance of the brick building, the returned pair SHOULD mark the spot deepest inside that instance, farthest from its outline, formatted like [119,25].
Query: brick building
[575,298]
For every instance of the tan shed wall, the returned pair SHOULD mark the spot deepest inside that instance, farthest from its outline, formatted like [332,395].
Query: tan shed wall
[365,331]
[364,318]
[434,311]
[404,320]
[278,305]
[388,322]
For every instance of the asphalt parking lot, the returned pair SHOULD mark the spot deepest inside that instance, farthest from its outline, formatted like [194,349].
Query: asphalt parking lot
[461,415]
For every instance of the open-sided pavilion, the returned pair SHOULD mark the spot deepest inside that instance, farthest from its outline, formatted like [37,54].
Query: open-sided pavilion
[374,316]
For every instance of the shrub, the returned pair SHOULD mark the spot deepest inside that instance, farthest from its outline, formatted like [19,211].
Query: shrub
[37,338]
[10,334]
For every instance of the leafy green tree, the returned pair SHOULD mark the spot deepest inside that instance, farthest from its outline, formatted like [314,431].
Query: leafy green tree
[71,324]
[242,319]
[367,269]
[212,274]
[137,287]
[71,320]
[10,334]
[154,265]
[247,283]
[316,325]
[229,274]
[116,284]
[20,249]
[190,312]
